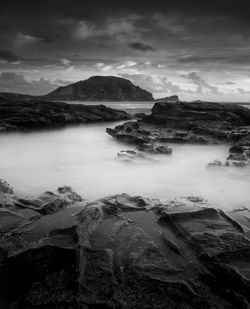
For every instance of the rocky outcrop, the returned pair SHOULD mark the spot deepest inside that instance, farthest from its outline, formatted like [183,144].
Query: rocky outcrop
[239,151]
[123,251]
[101,88]
[38,114]
[172,98]
[194,123]
[199,116]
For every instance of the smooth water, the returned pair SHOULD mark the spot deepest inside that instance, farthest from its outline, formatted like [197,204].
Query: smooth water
[84,157]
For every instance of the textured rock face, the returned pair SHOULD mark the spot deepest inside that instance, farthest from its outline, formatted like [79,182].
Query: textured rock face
[123,251]
[194,123]
[101,88]
[187,115]
[172,98]
[37,114]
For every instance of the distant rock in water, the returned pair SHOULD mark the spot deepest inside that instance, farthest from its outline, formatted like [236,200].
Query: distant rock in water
[101,88]
[172,98]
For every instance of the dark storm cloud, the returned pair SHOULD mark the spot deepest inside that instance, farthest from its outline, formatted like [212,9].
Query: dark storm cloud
[141,46]
[105,36]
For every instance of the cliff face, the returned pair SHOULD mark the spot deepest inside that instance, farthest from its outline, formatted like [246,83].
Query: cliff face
[101,88]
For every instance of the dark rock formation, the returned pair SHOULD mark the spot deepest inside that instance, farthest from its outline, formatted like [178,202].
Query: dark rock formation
[123,251]
[172,98]
[190,116]
[38,114]
[196,123]
[139,115]
[101,88]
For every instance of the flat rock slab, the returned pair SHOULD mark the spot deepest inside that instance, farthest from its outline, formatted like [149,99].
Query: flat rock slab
[124,251]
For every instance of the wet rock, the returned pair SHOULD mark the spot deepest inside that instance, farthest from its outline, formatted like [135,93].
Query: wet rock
[155,149]
[45,203]
[126,202]
[183,115]
[70,196]
[237,157]
[215,163]
[123,251]
[5,187]
[133,156]
[139,115]
[18,114]
[239,163]
[130,132]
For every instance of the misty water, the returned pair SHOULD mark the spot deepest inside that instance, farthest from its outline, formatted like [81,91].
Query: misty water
[84,157]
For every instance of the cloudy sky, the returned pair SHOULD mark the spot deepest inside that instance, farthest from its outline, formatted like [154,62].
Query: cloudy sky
[196,49]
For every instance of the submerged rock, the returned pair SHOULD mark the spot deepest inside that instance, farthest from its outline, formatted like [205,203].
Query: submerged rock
[133,156]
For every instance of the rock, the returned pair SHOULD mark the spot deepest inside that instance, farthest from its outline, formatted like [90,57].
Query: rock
[172,98]
[45,203]
[133,156]
[69,195]
[237,157]
[239,163]
[155,149]
[206,123]
[40,114]
[130,132]
[139,115]
[5,187]
[101,88]
[187,115]
[123,251]
[215,163]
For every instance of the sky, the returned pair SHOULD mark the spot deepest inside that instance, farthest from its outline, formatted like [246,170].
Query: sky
[199,50]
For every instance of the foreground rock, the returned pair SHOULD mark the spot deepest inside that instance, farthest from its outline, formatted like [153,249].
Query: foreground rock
[38,114]
[124,251]
[101,88]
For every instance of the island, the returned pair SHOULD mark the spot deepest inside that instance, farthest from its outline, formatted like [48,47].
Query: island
[101,88]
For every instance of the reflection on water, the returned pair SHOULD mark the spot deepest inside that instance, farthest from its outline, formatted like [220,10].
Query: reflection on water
[85,158]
